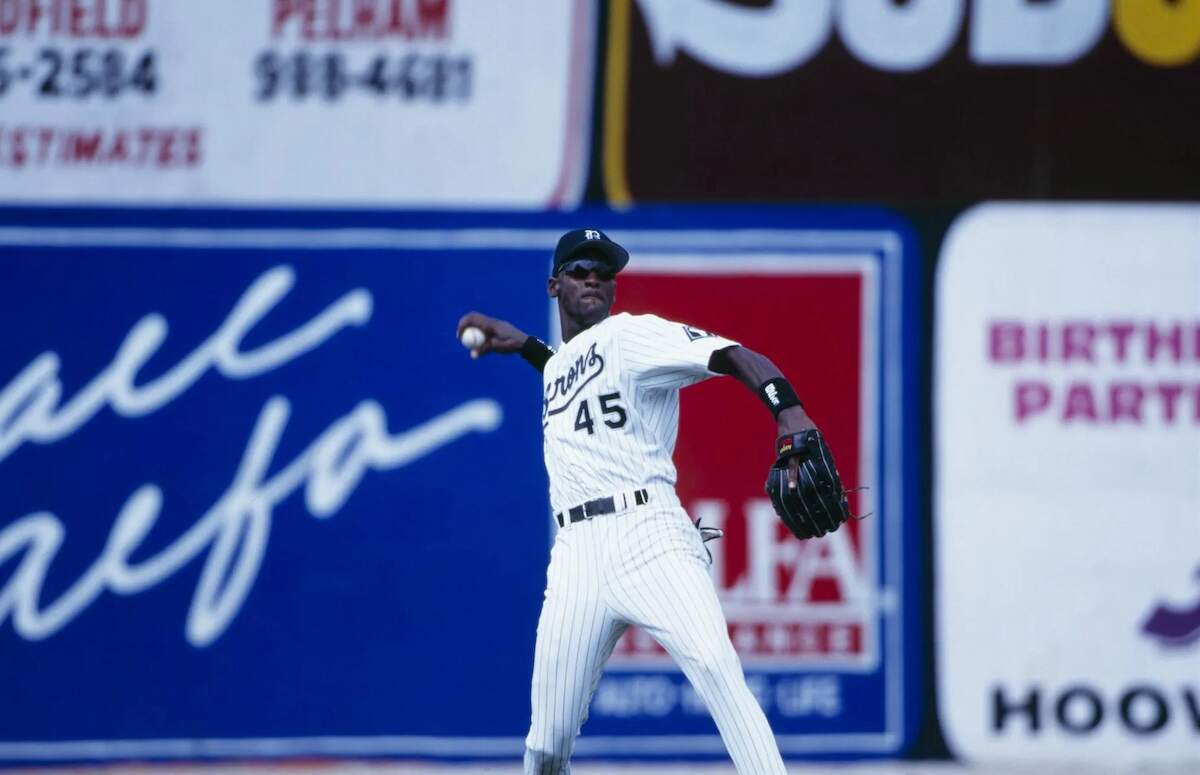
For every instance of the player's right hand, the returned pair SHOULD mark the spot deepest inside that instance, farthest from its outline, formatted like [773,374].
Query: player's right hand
[502,336]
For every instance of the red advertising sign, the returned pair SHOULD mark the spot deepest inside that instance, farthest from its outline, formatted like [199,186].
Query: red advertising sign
[826,629]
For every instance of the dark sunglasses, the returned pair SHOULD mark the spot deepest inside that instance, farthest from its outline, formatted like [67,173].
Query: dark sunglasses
[579,270]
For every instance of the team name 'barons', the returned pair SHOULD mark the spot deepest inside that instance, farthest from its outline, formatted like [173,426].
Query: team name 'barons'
[74,18]
[324,20]
[590,364]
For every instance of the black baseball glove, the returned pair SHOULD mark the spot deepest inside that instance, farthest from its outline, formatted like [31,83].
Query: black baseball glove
[817,504]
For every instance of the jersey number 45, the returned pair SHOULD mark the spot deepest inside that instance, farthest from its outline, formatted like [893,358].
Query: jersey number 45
[614,414]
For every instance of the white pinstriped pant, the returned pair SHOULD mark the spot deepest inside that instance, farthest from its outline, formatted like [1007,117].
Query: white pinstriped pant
[645,567]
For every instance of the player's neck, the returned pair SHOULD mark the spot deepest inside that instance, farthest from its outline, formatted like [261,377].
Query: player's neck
[572,327]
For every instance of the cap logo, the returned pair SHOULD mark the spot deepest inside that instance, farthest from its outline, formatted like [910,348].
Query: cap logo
[591,234]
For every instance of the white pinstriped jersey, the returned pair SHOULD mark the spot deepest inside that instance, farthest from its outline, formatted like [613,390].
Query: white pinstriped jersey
[610,411]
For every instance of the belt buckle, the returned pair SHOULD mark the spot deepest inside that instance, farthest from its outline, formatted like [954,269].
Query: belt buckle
[599,506]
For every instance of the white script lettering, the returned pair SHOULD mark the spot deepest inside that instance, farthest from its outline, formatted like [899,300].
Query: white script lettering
[235,530]
[30,407]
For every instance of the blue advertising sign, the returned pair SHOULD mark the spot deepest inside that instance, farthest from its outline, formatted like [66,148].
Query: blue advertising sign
[255,499]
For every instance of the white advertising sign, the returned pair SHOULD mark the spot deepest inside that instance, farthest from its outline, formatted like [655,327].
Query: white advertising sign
[413,103]
[1067,483]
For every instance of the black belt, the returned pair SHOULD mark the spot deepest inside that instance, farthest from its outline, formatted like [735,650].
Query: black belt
[601,506]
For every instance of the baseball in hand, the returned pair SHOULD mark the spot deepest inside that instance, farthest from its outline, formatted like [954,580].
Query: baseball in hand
[472,337]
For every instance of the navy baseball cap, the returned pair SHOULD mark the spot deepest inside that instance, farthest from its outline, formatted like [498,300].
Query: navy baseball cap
[589,243]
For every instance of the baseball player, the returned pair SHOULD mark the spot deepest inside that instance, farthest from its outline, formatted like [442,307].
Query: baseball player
[626,553]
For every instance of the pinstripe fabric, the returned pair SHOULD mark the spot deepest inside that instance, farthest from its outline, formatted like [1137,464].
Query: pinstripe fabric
[647,567]
[639,362]
[610,419]
[576,634]
[660,582]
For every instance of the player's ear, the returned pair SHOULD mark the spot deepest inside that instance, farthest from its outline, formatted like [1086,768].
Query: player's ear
[552,287]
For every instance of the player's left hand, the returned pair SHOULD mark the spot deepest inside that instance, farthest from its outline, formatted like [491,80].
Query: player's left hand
[805,487]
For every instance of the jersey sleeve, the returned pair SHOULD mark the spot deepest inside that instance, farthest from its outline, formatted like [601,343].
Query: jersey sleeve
[667,354]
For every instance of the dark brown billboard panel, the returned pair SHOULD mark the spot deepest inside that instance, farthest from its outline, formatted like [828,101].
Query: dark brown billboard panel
[923,100]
